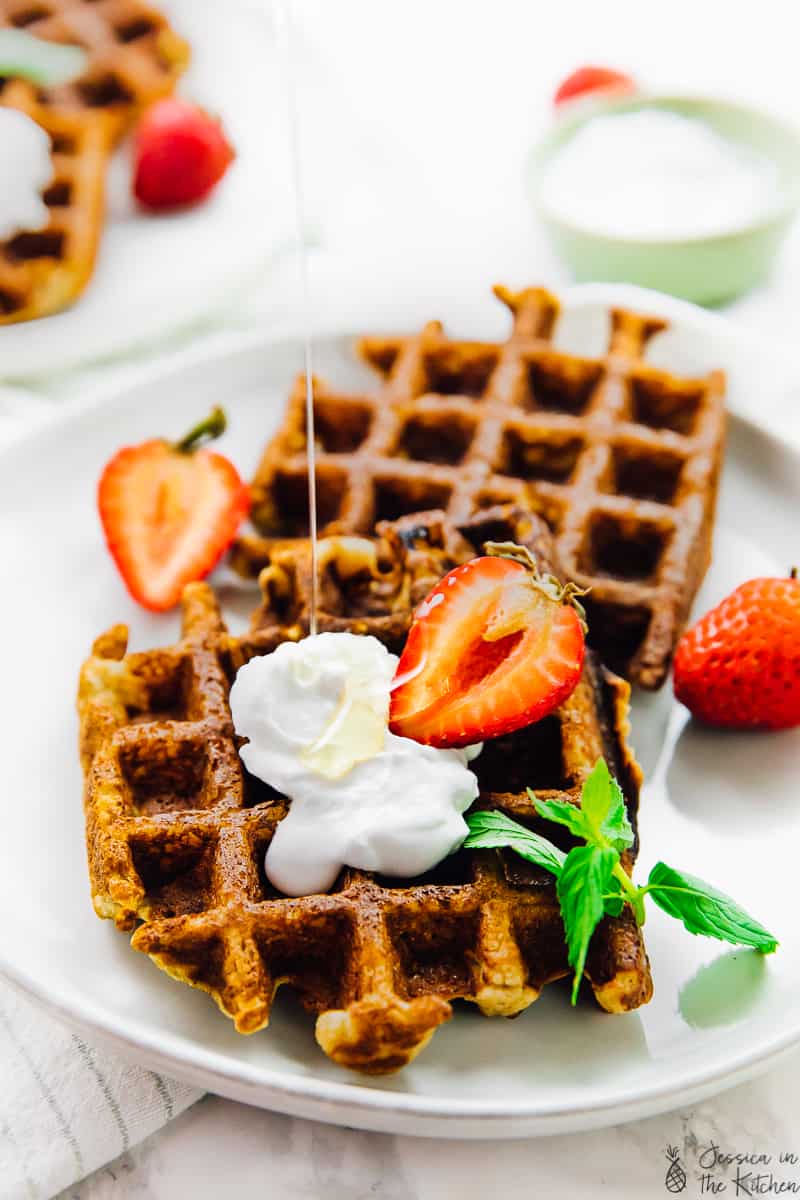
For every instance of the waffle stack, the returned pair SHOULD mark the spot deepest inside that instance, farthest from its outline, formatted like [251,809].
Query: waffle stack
[177,829]
[133,58]
[620,458]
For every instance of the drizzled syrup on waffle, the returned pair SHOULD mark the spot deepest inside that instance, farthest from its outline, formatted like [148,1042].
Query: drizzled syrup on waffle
[283,22]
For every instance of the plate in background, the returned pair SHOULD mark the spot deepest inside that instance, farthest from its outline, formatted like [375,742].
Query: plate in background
[723,806]
[159,273]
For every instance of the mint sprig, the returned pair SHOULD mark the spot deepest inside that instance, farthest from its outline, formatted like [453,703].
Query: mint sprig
[601,819]
[591,880]
[581,887]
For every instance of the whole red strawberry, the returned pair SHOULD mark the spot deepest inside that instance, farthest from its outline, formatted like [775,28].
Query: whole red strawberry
[739,666]
[180,154]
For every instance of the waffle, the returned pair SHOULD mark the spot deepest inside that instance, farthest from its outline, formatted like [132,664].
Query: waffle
[366,585]
[621,459]
[177,831]
[134,55]
[42,271]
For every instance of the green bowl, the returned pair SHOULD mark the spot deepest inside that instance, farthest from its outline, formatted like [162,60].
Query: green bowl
[705,269]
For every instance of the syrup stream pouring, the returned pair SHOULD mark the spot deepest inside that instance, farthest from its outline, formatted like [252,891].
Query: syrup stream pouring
[284,35]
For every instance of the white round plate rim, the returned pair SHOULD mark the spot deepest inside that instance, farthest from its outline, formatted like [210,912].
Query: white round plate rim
[344,1102]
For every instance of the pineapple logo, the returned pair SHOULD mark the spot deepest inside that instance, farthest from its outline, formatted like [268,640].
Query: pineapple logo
[675,1180]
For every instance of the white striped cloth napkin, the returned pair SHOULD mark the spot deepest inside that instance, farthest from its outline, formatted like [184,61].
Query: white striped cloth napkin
[66,1107]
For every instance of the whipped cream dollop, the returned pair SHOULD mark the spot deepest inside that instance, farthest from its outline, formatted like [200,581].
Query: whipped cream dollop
[26,168]
[315,714]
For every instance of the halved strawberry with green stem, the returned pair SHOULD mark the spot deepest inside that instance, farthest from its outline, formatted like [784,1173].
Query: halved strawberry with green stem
[494,647]
[169,512]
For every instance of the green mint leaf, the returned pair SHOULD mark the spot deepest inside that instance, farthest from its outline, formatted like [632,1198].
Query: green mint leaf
[616,827]
[601,819]
[492,830]
[706,911]
[596,795]
[603,805]
[563,813]
[614,899]
[583,881]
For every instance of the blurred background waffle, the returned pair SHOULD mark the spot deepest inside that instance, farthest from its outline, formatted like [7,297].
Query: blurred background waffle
[43,270]
[155,273]
[134,56]
[620,458]
[177,831]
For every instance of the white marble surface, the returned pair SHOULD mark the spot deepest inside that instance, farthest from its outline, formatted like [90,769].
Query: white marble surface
[218,1147]
[415,123]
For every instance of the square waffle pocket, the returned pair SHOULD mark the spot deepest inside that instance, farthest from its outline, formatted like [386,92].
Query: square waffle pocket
[177,830]
[42,271]
[620,458]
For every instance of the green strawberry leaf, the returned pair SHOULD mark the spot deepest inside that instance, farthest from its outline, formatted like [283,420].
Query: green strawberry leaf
[583,881]
[704,910]
[492,830]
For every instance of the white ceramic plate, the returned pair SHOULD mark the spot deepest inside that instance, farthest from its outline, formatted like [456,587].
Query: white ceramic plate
[157,273]
[723,806]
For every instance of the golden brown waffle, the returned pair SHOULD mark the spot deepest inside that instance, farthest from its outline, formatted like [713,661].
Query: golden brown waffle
[134,55]
[620,458]
[42,271]
[177,831]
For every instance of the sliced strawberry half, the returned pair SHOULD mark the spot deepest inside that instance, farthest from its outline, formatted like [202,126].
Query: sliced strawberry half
[494,647]
[169,512]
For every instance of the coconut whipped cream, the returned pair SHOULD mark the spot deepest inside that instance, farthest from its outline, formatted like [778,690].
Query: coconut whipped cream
[315,714]
[654,174]
[26,168]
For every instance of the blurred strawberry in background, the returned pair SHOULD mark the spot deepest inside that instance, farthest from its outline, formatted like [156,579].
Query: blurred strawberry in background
[181,153]
[593,79]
